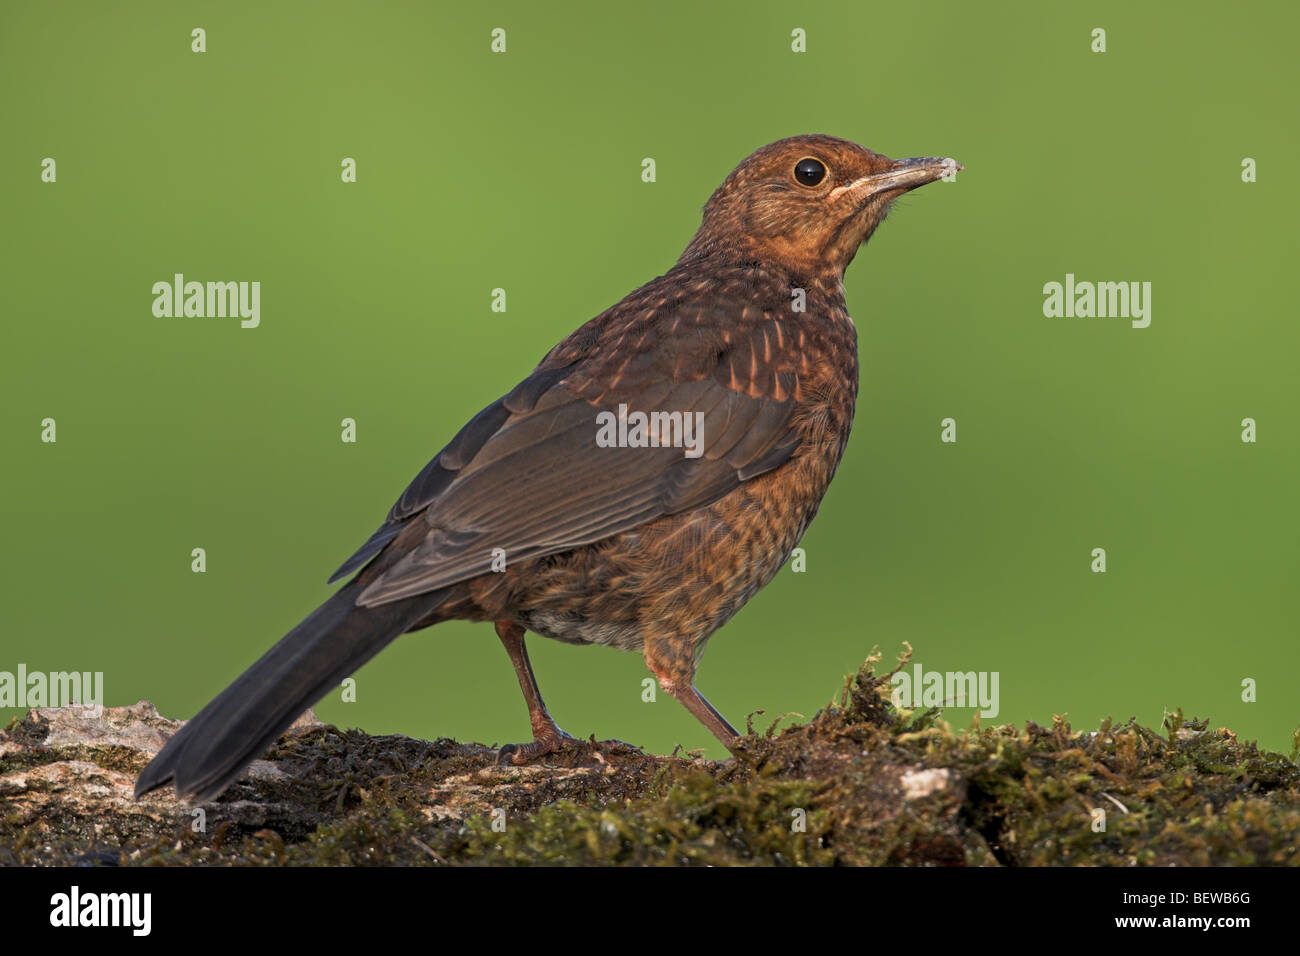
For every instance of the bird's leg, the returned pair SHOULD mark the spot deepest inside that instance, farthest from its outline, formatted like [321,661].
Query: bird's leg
[547,736]
[679,681]
[705,713]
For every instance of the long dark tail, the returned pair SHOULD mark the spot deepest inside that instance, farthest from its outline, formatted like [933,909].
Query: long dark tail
[210,751]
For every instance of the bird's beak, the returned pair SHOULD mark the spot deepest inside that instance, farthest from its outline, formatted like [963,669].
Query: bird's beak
[903,175]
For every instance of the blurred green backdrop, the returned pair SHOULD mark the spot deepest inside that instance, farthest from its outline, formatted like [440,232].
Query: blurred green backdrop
[522,171]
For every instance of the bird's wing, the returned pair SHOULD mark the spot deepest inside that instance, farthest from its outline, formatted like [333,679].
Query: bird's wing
[529,477]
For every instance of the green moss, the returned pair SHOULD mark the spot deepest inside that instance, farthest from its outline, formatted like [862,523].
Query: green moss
[698,821]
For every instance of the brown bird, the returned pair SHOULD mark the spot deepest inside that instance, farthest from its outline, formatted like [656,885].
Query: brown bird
[652,473]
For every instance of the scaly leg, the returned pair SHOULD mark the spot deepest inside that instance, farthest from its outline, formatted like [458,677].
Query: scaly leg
[547,736]
[674,673]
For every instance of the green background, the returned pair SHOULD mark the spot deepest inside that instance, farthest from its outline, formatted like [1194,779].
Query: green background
[522,170]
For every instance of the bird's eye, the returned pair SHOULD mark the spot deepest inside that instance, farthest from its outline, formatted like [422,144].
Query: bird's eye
[809,171]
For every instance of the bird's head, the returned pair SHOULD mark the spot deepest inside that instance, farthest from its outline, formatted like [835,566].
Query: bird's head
[807,203]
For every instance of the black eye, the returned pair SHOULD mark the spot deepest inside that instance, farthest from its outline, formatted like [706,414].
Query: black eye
[809,172]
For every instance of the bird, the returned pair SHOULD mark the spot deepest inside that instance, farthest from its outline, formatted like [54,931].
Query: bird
[652,473]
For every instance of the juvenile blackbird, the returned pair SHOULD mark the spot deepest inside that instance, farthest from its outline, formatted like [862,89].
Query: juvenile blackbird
[640,485]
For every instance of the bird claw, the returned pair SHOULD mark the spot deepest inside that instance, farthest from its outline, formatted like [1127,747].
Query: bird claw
[545,742]
[559,742]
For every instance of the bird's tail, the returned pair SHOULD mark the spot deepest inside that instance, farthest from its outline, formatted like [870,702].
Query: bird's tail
[211,750]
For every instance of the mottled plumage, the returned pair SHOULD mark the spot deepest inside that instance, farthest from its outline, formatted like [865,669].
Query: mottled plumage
[642,548]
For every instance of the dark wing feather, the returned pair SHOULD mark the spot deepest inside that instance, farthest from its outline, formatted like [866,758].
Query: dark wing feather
[542,485]
[527,475]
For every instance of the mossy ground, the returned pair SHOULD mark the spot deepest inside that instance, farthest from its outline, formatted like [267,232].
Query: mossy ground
[862,782]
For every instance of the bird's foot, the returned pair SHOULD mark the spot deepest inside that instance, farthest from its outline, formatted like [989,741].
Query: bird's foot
[554,741]
[546,741]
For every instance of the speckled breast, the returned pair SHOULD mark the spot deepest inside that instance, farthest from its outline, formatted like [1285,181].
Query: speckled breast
[685,575]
